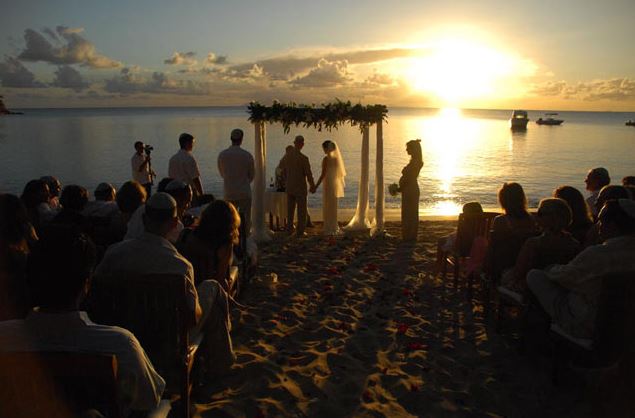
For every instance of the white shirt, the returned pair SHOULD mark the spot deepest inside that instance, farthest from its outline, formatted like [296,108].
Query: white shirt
[582,277]
[73,331]
[183,167]
[591,201]
[149,254]
[136,228]
[236,167]
[142,176]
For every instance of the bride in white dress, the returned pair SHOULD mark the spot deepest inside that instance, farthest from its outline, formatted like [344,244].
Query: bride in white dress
[333,173]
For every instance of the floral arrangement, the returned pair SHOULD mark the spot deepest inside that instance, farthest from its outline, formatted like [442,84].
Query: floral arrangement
[393,189]
[328,116]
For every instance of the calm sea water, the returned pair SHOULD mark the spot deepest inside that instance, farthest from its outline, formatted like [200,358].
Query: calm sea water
[468,154]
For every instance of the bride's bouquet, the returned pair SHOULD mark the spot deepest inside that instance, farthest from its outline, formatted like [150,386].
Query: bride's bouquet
[393,189]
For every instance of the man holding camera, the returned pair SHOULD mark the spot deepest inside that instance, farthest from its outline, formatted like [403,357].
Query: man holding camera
[141,168]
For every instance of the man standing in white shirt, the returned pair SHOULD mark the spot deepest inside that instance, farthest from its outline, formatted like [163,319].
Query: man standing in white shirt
[141,170]
[236,167]
[183,165]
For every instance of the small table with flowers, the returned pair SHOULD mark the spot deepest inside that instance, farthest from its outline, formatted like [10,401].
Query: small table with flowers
[276,206]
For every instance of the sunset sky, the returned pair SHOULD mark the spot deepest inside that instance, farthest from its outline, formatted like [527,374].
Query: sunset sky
[568,55]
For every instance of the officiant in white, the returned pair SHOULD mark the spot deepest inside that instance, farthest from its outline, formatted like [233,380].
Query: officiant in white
[333,174]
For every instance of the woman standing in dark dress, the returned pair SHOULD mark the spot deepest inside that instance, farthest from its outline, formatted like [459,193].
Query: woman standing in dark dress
[409,188]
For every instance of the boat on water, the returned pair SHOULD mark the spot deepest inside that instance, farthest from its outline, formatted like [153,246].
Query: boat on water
[549,120]
[5,111]
[519,120]
[630,122]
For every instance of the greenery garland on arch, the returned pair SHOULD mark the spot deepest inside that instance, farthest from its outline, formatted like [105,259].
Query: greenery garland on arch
[328,116]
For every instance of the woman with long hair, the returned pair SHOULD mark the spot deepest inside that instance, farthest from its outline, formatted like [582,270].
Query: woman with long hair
[409,188]
[210,246]
[333,173]
[581,218]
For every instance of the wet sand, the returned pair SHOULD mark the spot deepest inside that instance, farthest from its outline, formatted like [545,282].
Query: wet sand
[359,326]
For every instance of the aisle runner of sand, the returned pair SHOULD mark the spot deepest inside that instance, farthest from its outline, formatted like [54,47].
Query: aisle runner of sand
[360,327]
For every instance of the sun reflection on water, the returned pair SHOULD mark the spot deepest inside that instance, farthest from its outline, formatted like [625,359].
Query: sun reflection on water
[447,140]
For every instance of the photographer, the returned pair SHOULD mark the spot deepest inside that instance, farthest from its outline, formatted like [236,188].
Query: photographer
[141,166]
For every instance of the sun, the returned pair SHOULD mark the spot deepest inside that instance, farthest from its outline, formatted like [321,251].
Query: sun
[455,70]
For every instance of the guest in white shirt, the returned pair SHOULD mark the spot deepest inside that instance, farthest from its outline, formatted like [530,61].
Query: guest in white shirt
[183,165]
[570,293]
[595,179]
[141,168]
[153,253]
[59,269]
[236,167]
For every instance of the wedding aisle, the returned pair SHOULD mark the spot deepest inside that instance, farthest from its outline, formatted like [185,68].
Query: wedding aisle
[356,326]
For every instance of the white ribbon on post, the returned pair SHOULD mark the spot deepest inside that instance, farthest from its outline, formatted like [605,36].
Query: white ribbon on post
[260,231]
[360,221]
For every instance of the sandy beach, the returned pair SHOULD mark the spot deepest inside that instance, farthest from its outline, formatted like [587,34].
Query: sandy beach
[356,326]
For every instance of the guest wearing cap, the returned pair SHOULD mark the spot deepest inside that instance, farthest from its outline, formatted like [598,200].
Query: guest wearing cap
[183,165]
[236,167]
[595,179]
[153,253]
[569,293]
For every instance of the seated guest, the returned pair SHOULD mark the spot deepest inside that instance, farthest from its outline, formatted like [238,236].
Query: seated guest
[153,253]
[611,192]
[59,270]
[130,200]
[35,197]
[163,184]
[595,179]
[104,205]
[209,247]
[55,187]
[581,218]
[628,181]
[554,246]
[569,293]
[445,245]
[73,200]
[16,237]
[510,230]
[182,194]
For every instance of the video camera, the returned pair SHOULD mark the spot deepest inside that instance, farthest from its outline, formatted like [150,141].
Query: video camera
[148,149]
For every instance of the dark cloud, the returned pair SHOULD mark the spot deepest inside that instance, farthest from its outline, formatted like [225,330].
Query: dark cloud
[325,74]
[181,58]
[290,66]
[129,81]
[51,33]
[67,77]
[74,49]
[14,74]
[617,89]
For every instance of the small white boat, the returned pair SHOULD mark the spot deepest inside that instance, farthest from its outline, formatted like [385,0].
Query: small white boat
[519,120]
[549,120]
[630,122]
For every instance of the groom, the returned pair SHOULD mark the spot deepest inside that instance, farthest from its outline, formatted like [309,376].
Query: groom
[298,170]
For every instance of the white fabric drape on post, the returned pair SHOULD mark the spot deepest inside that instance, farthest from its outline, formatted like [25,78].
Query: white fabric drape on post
[379,182]
[260,231]
[360,220]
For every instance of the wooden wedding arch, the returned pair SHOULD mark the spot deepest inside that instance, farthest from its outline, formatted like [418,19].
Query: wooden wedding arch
[327,116]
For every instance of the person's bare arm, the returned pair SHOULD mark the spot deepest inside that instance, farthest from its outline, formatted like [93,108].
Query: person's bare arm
[224,256]
[322,175]
[309,174]
[198,186]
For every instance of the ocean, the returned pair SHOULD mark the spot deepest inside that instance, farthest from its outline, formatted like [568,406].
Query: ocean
[468,154]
